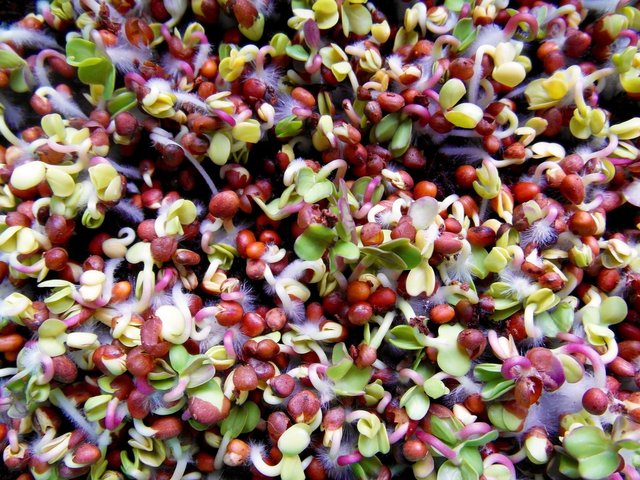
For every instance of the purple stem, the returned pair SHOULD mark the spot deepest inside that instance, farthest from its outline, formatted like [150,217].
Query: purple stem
[314,65]
[78,318]
[144,386]
[502,460]
[232,296]
[631,35]
[228,344]
[477,428]
[432,94]
[163,283]
[419,111]
[206,312]
[225,117]
[111,421]
[512,25]
[47,369]
[202,37]
[436,443]
[513,367]
[373,184]
[399,433]
[165,32]
[295,208]
[133,77]
[435,78]
[596,362]
[569,337]
[186,69]
[301,112]
[621,162]
[349,459]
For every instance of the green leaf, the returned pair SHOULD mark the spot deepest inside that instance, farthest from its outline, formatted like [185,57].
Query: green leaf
[585,442]
[465,32]
[454,5]
[613,310]
[496,388]
[122,101]
[313,242]
[599,466]
[96,74]
[435,388]
[346,250]
[319,191]
[179,358]
[482,439]
[416,402]
[407,338]
[288,127]
[353,383]
[78,50]
[452,358]
[17,81]
[9,59]
[297,52]
[305,180]
[445,430]
[402,247]
[384,259]
[338,371]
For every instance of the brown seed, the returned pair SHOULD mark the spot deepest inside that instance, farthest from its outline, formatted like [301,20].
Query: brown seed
[277,424]
[473,341]
[595,401]
[65,371]
[373,112]
[572,188]
[551,280]
[461,68]
[582,224]
[442,314]
[224,204]
[390,102]
[163,248]
[245,379]
[11,342]
[303,406]
[231,313]
[447,243]
[167,427]
[358,291]
[139,363]
[276,319]
[282,385]
[137,404]
[266,349]
[383,299]
[360,313]
[56,259]
[186,257]
[481,236]
[414,450]
[608,279]
[86,454]
[371,234]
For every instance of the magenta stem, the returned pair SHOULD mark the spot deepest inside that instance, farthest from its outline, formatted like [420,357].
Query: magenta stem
[477,428]
[206,312]
[133,77]
[512,25]
[165,280]
[502,460]
[596,362]
[144,386]
[371,188]
[399,433]
[631,35]
[165,32]
[111,421]
[349,459]
[48,369]
[419,111]
[412,375]
[228,344]
[436,443]
[513,367]
[435,78]
[225,117]
[314,65]
[186,69]
[232,296]
[301,112]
